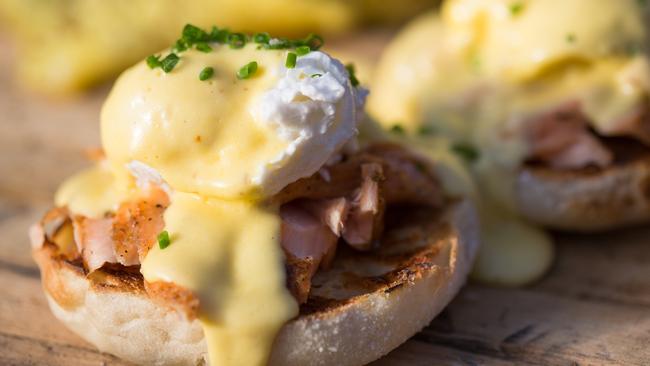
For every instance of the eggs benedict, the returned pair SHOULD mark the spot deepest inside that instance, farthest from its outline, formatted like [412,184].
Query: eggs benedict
[237,217]
[553,94]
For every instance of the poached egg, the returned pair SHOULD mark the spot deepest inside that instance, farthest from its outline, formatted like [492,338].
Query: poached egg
[228,137]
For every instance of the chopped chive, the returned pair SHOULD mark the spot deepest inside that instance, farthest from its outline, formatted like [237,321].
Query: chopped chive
[633,49]
[570,38]
[465,151]
[218,35]
[426,130]
[262,38]
[290,63]
[302,50]
[247,70]
[397,129]
[314,41]
[193,34]
[316,75]
[195,37]
[277,44]
[169,62]
[163,239]
[180,45]
[203,47]
[236,40]
[206,73]
[353,78]
[516,8]
[153,61]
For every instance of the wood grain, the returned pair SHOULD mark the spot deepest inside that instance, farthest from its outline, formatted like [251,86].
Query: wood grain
[593,308]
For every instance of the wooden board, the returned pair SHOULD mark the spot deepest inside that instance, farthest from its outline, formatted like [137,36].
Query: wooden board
[593,308]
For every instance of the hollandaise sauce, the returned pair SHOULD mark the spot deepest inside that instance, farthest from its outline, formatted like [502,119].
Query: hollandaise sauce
[227,252]
[198,134]
[92,192]
[513,252]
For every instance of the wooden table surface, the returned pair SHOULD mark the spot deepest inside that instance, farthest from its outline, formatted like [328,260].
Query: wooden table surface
[593,308]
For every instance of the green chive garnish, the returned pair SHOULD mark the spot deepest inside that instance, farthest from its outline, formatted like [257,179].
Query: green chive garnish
[571,38]
[203,47]
[314,42]
[516,8]
[633,49]
[262,38]
[163,239]
[195,37]
[291,60]
[169,62]
[236,40]
[465,151]
[218,35]
[247,70]
[316,75]
[153,61]
[180,45]
[397,129]
[277,44]
[302,50]
[353,78]
[206,73]
[193,34]
[426,130]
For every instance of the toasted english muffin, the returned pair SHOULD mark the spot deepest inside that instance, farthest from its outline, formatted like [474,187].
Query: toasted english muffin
[590,199]
[372,301]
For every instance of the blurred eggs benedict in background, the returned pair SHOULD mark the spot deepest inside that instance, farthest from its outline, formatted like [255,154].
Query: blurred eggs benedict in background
[82,43]
[553,96]
[239,217]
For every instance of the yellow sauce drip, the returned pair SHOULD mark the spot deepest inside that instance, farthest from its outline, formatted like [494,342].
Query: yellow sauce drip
[512,252]
[228,254]
[91,192]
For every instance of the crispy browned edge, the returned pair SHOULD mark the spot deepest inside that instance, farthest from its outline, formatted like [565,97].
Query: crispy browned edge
[55,270]
[59,274]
